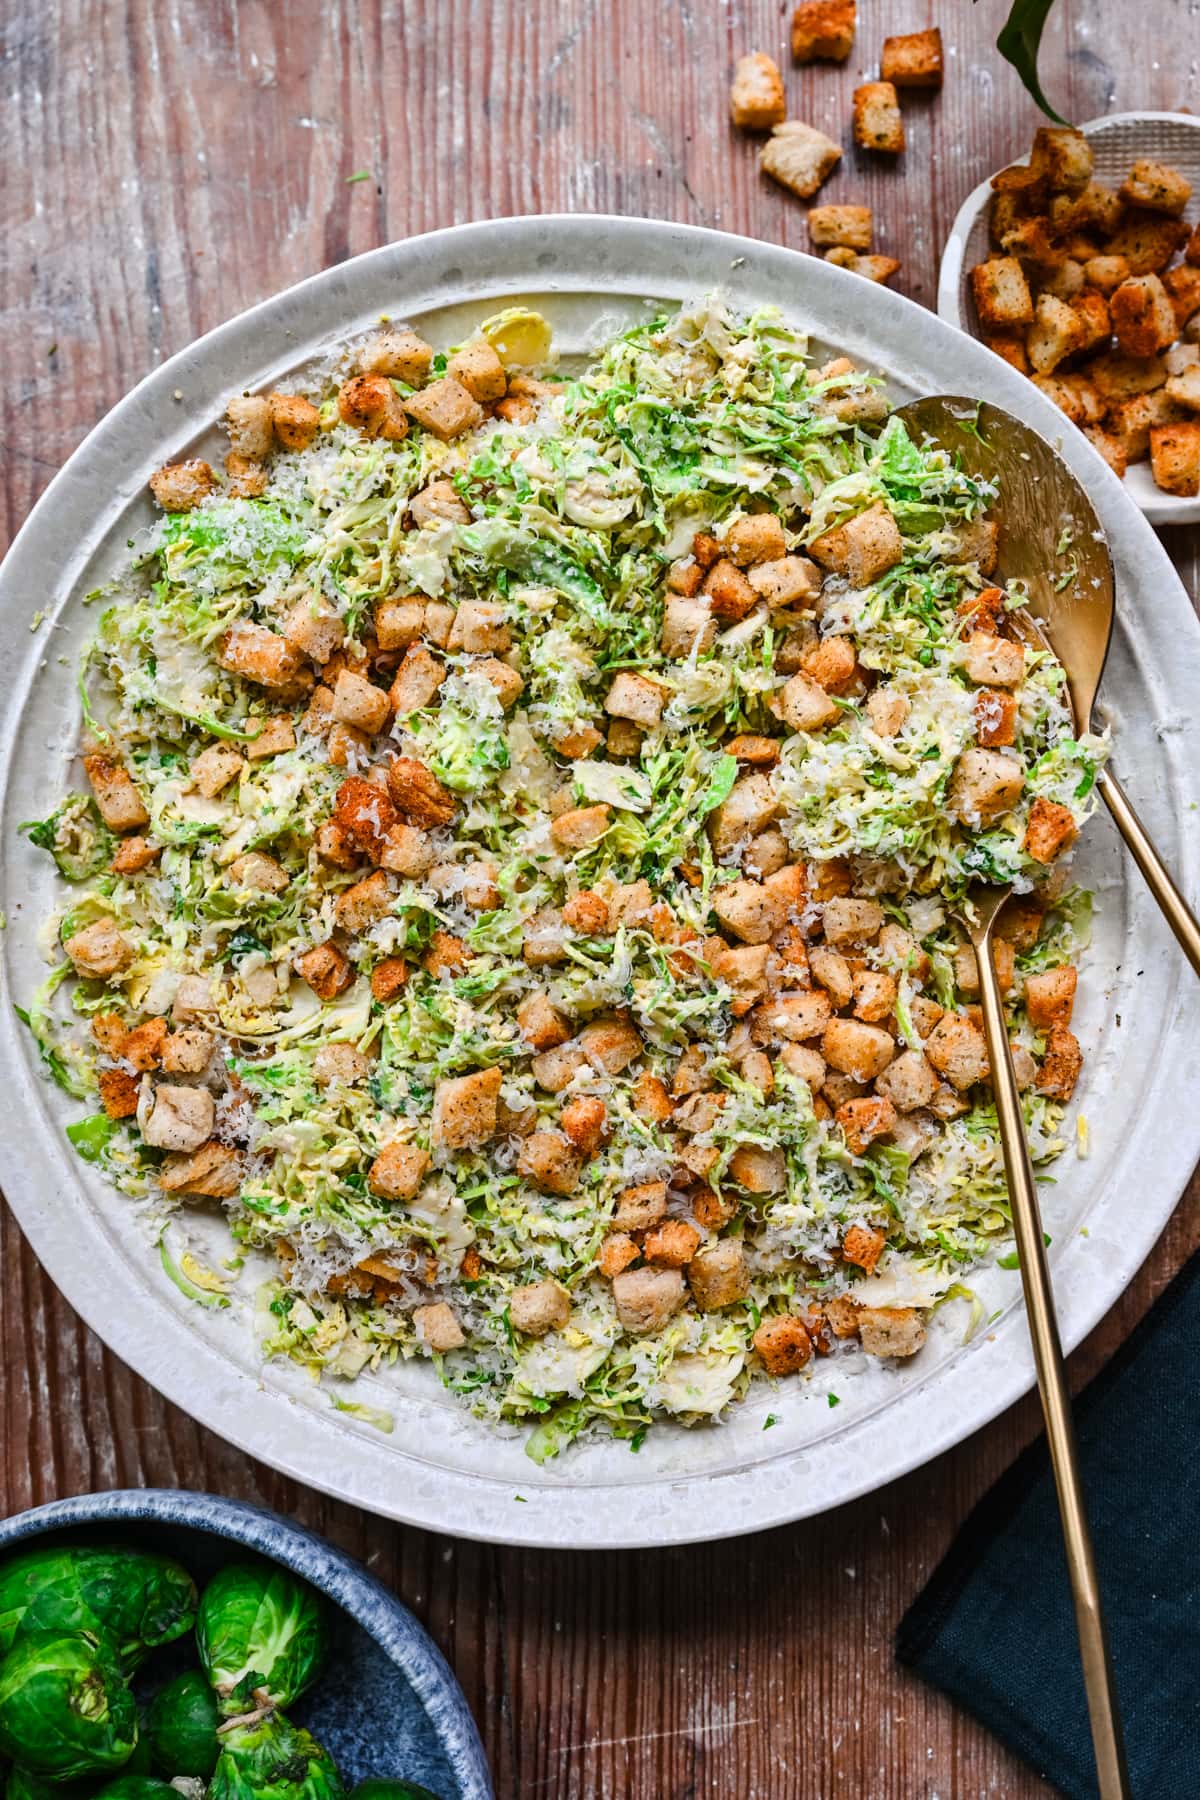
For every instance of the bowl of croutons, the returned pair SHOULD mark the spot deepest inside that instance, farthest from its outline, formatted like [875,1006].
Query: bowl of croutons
[1080,266]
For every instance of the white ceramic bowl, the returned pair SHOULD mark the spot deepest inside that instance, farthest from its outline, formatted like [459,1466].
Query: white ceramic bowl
[1116,142]
[1137,1013]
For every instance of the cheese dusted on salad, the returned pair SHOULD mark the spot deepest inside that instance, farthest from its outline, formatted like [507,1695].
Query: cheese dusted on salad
[528,814]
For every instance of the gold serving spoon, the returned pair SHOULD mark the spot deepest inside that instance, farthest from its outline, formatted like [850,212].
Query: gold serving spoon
[1043,507]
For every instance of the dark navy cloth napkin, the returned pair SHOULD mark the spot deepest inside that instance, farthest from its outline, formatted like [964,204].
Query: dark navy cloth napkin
[995,1629]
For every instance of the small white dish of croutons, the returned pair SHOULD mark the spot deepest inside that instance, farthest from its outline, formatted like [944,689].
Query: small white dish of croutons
[1080,266]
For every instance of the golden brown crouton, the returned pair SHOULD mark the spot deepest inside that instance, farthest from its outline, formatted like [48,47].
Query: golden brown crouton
[860,1051]
[756,97]
[783,1344]
[804,705]
[750,808]
[610,1045]
[1183,388]
[1050,829]
[647,1298]
[439,503]
[214,769]
[119,1092]
[505,683]
[640,1207]
[877,121]
[248,422]
[1063,157]
[672,1244]
[398,353]
[133,855]
[326,971]
[799,157]
[957,1050]
[985,785]
[542,1025]
[398,1170]
[580,827]
[261,873]
[480,625]
[388,978]
[295,419]
[246,480]
[181,1118]
[833,972]
[465,1108]
[616,1253]
[371,405]
[539,1307]
[1111,448]
[634,697]
[651,1100]
[785,582]
[479,370]
[1132,421]
[358,702]
[445,409]
[187,1051]
[718,1276]
[445,955]
[791,1018]
[417,682]
[550,1161]
[831,664]
[1142,316]
[260,655]
[273,737]
[823,30]
[117,799]
[437,1327]
[1147,240]
[314,628]
[553,1069]
[418,794]
[364,904]
[995,718]
[1001,293]
[1157,187]
[1011,349]
[1175,457]
[862,1245]
[1061,1065]
[862,549]
[874,995]
[966,967]
[399,622]
[544,938]
[759,1171]
[1050,997]
[997,661]
[863,1120]
[847,225]
[583,1121]
[178,487]
[851,921]
[908,1082]
[748,910]
[99,951]
[890,1330]
[339,1065]
[914,60]
[1056,333]
[755,538]
[688,626]
[213,1172]
[364,814]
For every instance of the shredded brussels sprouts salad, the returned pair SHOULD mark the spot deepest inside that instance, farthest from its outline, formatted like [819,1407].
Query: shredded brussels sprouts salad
[518,888]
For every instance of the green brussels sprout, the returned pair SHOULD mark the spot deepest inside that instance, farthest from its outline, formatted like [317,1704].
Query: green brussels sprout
[135,1598]
[65,1708]
[273,1759]
[23,1784]
[138,1787]
[382,1789]
[258,1627]
[181,1727]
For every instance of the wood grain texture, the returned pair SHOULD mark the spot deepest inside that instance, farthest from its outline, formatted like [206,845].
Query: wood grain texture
[169,162]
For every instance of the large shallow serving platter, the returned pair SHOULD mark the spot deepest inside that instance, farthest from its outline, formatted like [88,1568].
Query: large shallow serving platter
[1138,1015]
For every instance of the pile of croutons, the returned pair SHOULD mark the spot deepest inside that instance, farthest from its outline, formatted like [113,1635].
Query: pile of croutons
[800,157]
[1084,299]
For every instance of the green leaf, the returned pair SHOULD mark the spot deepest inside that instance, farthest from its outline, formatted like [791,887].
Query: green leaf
[1019,43]
[90,1136]
[720,786]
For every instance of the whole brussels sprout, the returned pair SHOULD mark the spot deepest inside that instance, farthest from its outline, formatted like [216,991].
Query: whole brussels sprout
[65,1707]
[381,1788]
[258,1627]
[135,1598]
[181,1727]
[23,1784]
[137,1787]
[273,1759]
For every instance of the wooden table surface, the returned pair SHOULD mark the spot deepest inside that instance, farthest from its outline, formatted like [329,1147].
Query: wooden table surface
[169,162]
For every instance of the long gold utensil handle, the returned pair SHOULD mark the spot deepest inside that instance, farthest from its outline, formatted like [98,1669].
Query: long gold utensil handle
[1056,1400]
[1174,907]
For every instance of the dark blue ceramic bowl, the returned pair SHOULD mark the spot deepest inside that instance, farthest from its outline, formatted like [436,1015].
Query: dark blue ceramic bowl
[389,1704]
